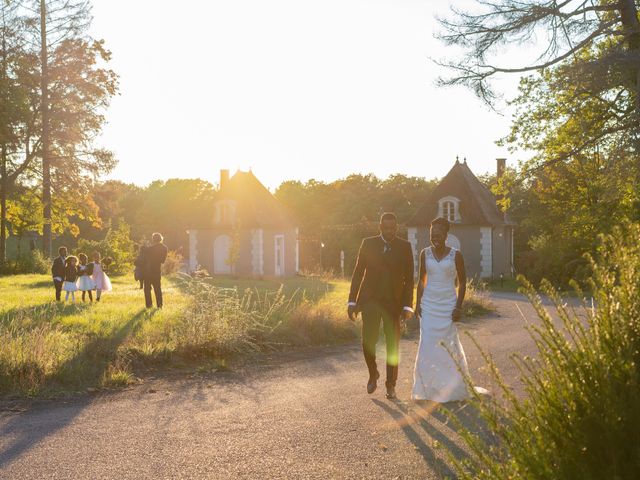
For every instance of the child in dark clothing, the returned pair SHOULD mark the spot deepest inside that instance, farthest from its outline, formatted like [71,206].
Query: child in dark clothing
[70,278]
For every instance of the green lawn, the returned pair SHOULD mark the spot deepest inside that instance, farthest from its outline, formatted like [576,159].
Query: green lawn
[48,347]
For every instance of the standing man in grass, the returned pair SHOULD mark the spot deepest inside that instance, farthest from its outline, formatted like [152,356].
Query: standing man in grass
[154,257]
[382,289]
[58,270]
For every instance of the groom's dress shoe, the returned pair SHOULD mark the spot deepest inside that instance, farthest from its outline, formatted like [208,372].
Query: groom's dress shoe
[391,393]
[372,384]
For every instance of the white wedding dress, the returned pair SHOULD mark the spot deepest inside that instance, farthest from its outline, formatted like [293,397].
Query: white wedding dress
[436,376]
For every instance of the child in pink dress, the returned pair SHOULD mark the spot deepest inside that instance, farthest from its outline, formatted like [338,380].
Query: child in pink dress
[101,280]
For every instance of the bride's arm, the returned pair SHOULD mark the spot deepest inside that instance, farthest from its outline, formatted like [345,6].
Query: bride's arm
[462,286]
[422,282]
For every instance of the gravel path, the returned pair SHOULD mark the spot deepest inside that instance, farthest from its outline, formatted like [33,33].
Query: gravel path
[299,415]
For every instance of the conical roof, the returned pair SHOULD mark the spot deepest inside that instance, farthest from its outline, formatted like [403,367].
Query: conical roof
[255,205]
[477,204]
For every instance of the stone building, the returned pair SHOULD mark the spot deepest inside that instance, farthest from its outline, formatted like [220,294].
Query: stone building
[478,228]
[250,233]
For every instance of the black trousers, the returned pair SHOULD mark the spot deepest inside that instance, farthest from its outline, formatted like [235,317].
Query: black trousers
[58,285]
[372,315]
[153,281]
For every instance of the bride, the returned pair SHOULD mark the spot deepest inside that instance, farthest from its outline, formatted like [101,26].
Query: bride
[436,376]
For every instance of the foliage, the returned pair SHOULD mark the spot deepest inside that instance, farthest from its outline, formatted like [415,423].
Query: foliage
[581,415]
[78,87]
[173,263]
[117,245]
[172,207]
[26,262]
[577,111]
[563,33]
[339,214]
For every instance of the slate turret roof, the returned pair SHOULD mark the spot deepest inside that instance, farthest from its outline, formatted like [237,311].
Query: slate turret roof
[256,207]
[477,203]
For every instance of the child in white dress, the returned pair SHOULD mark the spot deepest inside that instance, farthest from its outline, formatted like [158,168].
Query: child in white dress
[101,280]
[70,278]
[85,282]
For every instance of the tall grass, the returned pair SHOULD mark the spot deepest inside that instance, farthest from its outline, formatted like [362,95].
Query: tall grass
[49,348]
[581,416]
[476,301]
[223,321]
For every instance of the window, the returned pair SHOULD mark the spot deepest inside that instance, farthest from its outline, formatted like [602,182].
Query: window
[449,208]
[448,211]
[225,212]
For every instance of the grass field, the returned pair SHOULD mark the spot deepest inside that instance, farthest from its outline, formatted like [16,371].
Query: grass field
[49,348]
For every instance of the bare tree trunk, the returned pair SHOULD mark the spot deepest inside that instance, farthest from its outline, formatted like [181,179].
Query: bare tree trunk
[46,161]
[4,181]
[3,206]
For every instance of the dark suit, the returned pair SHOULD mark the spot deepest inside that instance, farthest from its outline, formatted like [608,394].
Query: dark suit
[381,286]
[58,270]
[154,256]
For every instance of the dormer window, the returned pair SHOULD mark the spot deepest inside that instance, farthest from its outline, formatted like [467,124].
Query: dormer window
[449,208]
[225,212]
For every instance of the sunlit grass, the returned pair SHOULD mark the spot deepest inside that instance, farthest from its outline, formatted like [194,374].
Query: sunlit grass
[48,347]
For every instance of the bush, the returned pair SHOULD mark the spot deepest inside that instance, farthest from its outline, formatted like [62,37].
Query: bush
[117,245]
[32,262]
[582,415]
[173,263]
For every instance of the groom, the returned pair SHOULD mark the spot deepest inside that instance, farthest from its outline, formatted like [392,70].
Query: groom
[382,289]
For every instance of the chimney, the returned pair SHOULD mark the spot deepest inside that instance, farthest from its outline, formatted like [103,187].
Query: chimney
[502,165]
[224,178]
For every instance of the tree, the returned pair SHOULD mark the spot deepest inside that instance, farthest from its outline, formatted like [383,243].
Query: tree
[172,207]
[592,48]
[14,115]
[73,91]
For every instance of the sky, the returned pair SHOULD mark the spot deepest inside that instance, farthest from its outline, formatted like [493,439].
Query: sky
[291,89]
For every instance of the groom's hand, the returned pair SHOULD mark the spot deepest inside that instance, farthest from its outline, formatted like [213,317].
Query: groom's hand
[352,311]
[457,314]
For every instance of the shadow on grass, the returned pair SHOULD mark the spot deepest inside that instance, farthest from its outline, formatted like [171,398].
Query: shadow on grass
[42,284]
[89,365]
[42,312]
[86,368]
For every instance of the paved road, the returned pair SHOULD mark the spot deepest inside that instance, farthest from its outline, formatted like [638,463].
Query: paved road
[302,415]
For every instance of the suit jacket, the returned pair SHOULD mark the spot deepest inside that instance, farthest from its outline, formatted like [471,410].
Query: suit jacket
[377,271]
[154,256]
[57,269]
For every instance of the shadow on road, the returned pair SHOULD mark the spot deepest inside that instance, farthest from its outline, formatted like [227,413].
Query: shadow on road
[100,352]
[442,424]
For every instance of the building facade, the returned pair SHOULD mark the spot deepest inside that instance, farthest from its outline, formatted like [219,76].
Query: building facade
[250,232]
[478,228]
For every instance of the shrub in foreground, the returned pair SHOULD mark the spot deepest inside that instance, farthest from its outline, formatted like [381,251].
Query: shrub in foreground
[581,416]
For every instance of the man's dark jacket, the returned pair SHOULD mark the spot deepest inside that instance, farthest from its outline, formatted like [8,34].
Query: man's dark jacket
[154,256]
[384,278]
[58,268]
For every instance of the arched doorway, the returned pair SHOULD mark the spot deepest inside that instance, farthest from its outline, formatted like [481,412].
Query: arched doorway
[453,242]
[221,250]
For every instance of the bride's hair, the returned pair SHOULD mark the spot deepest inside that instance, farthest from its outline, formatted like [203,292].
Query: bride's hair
[441,221]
